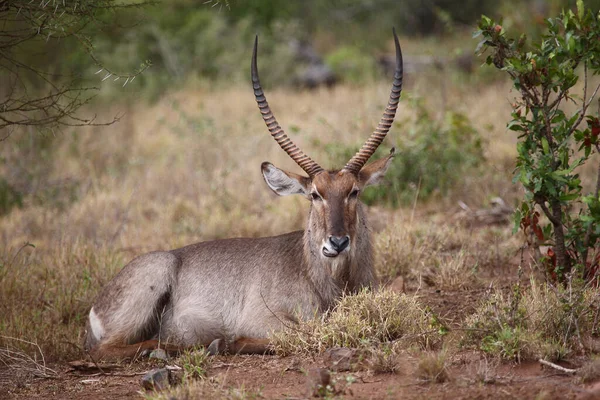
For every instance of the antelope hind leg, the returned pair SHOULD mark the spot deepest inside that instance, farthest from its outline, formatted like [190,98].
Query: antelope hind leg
[108,352]
[246,345]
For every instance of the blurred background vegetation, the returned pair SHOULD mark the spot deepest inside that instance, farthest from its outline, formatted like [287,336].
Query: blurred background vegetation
[210,41]
[182,163]
[136,52]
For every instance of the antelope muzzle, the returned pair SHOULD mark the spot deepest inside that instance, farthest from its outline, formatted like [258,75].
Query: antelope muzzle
[335,245]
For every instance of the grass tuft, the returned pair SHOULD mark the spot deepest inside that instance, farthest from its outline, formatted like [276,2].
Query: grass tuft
[590,372]
[484,371]
[538,321]
[362,320]
[385,359]
[432,368]
[195,363]
[204,389]
[446,257]
[455,272]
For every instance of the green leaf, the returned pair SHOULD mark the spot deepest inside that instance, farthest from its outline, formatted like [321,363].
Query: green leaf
[515,126]
[558,176]
[550,188]
[569,197]
[559,117]
[545,145]
[580,9]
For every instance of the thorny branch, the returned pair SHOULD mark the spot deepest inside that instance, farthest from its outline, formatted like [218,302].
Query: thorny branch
[15,358]
[32,95]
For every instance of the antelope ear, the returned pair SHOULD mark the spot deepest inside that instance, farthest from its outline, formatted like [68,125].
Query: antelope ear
[284,183]
[373,173]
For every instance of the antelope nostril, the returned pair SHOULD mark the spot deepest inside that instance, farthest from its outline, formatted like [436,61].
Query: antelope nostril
[339,243]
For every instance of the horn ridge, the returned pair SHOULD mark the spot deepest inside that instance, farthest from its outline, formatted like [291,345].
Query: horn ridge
[306,163]
[366,151]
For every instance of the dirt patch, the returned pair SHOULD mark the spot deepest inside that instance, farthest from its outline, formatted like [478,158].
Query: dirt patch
[471,375]
[273,377]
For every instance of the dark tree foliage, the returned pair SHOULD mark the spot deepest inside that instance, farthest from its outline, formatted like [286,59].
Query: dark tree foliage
[36,38]
[411,17]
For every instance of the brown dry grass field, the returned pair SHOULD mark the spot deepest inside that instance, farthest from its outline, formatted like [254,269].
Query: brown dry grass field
[187,169]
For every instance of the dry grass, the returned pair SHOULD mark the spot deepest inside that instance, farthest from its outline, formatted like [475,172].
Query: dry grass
[362,320]
[46,294]
[484,371]
[188,169]
[204,389]
[386,359]
[456,272]
[432,367]
[20,362]
[448,257]
[590,372]
[534,321]
[410,248]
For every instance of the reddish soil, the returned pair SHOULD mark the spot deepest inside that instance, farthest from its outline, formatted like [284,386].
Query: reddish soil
[286,378]
[278,378]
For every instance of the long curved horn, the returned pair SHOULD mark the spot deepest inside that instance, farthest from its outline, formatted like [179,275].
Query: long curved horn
[304,161]
[359,160]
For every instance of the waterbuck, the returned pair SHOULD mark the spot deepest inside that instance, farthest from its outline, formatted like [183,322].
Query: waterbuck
[229,294]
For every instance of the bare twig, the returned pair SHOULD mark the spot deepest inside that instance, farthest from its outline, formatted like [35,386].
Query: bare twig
[95,362]
[550,216]
[557,367]
[18,359]
[35,23]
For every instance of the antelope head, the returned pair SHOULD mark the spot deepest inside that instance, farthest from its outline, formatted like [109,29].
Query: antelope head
[334,195]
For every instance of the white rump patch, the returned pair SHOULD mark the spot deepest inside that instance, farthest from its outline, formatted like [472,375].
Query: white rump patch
[96,325]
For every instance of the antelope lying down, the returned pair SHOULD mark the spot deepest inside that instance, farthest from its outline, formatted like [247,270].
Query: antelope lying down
[229,294]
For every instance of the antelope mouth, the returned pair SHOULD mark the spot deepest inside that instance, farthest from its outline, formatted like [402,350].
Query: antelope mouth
[330,253]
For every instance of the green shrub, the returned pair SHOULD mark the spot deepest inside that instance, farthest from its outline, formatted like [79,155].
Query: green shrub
[352,65]
[9,197]
[553,143]
[187,42]
[433,156]
[537,321]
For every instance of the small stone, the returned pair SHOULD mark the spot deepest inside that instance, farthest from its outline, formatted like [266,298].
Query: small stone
[398,285]
[159,354]
[341,358]
[318,382]
[158,379]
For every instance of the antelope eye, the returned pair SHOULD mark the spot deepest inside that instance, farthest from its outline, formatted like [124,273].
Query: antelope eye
[354,194]
[315,196]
